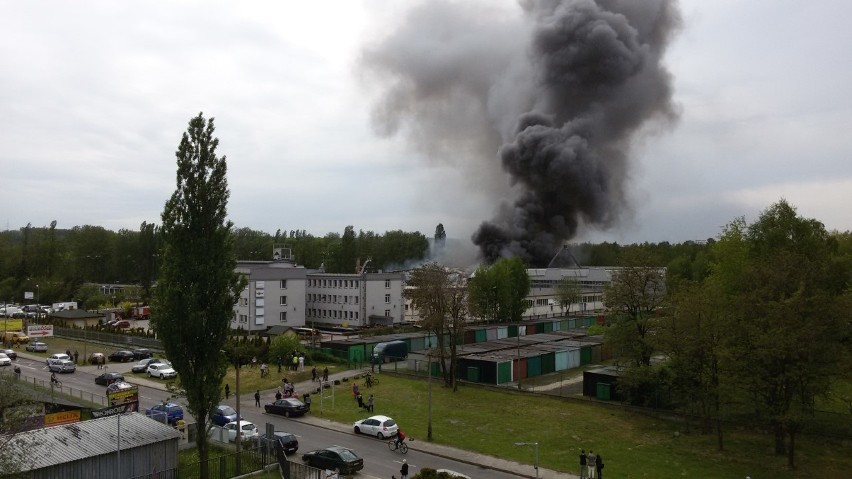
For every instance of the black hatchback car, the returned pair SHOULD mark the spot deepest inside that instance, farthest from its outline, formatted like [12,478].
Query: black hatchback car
[121,356]
[288,442]
[106,379]
[287,407]
[142,353]
[335,458]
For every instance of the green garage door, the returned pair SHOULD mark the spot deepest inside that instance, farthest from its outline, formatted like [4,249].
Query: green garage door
[603,392]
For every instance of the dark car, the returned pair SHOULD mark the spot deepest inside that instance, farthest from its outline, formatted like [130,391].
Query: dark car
[166,412]
[142,366]
[287,407]
[335,458]
[106,379]
[142,353]
[288,441]
[223,414]
[11,353]
[119,386]
[121,356]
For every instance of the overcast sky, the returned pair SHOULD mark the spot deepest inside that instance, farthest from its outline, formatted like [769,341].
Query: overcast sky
[94,97]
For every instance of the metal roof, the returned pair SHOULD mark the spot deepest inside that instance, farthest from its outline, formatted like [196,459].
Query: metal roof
[72,442]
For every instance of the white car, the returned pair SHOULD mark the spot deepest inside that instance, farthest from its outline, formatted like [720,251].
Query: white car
[4,360]
[62,366]
[160,370]
[57,358]
[379,426]
[247,430]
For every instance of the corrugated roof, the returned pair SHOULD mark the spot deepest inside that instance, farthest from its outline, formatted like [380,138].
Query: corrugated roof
[71,442]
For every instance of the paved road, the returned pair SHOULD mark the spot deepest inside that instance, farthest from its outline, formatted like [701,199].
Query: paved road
[313,432]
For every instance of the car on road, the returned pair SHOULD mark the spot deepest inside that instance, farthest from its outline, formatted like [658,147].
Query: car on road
[166,413]
[119,386]
[379,426]
[223,414]
[247,430]
[289,442]
[37,347]
[335,458]
[5,360]
[287,407]
[121,356]
[62,366]
[56,357]
[13,355]
[106,379]
[142,353]
[161,370]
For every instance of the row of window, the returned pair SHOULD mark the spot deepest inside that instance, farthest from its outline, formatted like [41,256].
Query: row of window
[318,313]
[332,283]
[331,298]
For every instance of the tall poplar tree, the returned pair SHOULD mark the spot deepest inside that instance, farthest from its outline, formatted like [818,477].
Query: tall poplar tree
[198,285]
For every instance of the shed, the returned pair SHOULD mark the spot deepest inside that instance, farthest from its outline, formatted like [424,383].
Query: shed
[89,449]
[602,383]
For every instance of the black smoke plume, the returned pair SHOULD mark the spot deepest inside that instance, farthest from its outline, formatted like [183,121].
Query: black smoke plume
[555,90]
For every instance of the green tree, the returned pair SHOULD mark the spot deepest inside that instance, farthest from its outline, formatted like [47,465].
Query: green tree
[568,292]
[18,411]
[637,291]
[788,289]
[498,292]
[440,296]
[198,285]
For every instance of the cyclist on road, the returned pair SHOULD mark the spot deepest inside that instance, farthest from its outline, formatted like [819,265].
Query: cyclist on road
[400,438]
[53,379]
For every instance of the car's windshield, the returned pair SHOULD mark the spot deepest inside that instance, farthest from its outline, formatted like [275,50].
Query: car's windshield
[228,411]
[248,427]
[347,455]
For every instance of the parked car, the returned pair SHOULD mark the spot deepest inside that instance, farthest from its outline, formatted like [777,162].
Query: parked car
[223,414]
[335,458]
[62,366]
[247,430]
[142,353]
[166,413]
[119,386]
[121,356]
[13,355]
[288,441]
[56,357]
[15,337]
[379,426]
[5,360]
[96,358]
[123,324]
[161,370]
[287,407]
[106,379]
[142,366]
[37,346]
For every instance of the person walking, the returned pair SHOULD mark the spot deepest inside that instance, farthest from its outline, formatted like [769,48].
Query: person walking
[227,391]
[257,398]
[278,360]
[278,394]
[370,402]
[403,472]
[583,467]
[295,363]
[76,356]
[600,465]
[314,374]
[592,461]
[301,362]
[325,374]
[360,400]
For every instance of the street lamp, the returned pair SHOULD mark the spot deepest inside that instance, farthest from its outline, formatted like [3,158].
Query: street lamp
[536,453]
[429,371]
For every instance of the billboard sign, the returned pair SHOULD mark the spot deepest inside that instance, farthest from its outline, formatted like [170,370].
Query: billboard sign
[125,396]
[62,417]
[39,330]
[112,411]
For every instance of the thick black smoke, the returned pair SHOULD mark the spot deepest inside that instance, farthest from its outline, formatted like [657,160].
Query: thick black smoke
[556,95]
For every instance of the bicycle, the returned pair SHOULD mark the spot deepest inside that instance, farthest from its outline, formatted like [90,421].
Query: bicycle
[56,384]
[401,447]
[372,382]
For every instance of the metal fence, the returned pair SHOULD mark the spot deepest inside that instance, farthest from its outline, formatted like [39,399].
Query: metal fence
[109,338]
[232,465]
[67,391]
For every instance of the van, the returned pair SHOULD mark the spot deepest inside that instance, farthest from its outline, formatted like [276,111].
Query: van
[389,351]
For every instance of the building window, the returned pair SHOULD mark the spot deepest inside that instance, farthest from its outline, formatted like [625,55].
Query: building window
[356,299]
[282,316]
[387,284]
[283,301]
[387,313]
[283,284]
[387,299]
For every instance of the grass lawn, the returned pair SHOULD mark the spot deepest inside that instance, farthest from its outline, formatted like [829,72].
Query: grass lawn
[633,446]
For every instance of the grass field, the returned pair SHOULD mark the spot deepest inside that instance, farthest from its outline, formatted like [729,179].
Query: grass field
[634,446]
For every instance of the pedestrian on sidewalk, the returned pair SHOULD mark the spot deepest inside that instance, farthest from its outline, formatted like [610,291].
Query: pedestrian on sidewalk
[325,374]
[227,391]
[403,472]
[257,398]
[592,461]
[314,374]
[583,467]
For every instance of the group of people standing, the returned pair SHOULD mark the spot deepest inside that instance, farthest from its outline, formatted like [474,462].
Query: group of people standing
[591,465]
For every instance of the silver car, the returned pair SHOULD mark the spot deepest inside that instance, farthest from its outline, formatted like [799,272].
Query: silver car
[62,366]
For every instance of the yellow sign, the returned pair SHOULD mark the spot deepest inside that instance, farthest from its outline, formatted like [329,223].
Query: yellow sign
[64,417]
[12,325]
[123,397]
